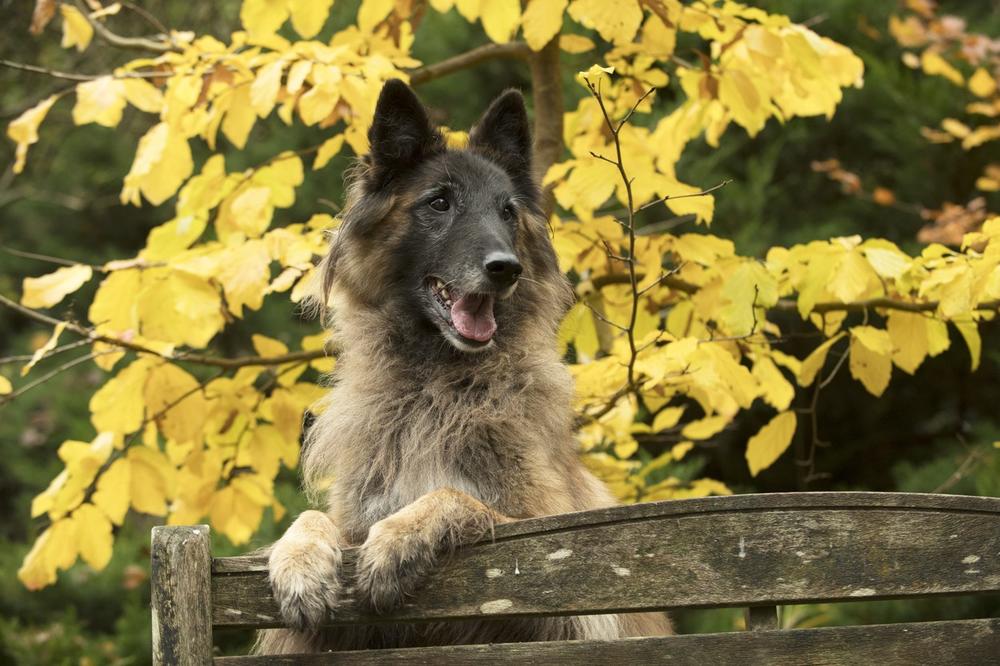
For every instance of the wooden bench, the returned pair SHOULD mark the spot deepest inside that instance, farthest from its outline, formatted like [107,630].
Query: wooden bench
[751,551]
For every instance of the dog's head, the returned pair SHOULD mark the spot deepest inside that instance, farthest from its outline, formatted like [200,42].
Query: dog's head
[442,242]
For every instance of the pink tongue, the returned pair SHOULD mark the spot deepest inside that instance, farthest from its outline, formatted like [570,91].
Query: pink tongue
[473,317]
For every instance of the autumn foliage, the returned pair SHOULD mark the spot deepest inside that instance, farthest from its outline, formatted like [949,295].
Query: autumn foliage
[671,334]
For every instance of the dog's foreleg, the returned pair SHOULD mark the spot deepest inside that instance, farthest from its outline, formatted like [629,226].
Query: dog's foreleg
[402,548]
[304,568]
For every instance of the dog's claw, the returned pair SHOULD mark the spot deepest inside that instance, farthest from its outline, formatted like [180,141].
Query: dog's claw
[391,565]
[305,581]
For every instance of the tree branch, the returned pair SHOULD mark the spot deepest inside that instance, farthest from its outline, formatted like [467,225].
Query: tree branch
[787,304]
[547,99]
[4,399]
[69,76]
[200,359]
[468,59]
[129,43]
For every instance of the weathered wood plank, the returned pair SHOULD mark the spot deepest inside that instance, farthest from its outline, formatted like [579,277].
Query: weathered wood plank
[181,585]
[956,643]
[700,505]
[761,618]
[727,557]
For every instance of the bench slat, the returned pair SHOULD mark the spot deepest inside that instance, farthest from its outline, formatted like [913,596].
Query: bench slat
[710,553]
[956,643]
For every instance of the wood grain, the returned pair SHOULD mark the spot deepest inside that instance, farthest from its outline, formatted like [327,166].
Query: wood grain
[713,552]
[956,643]
[181,584]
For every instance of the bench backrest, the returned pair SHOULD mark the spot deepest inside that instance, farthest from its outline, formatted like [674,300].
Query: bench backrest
[754,551]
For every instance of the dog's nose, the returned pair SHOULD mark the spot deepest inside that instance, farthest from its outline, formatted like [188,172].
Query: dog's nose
[502,267]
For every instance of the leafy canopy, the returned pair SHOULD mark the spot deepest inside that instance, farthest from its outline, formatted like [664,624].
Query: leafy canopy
[673,337]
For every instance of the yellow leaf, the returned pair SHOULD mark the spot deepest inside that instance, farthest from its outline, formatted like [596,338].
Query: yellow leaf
[934,64]
[852,277]
[667,418]
[46,291]
[870,361]
[327,151]
[500,19]
[234,514]
[265,346]
[579,328]
[748,290]
[309,16]
[775,389]
[100,101]
[265,448]
[574,43]
[616,22]
[114,305]
[908,332]
[94,538]
[44,349]
[542,21]
[77,30]
[151,480]
[981,135]
[162,162]
[937,337]
[252,210]
[23,130]
[982,83]
[739,95]
[143,95]
[956,128]
[113,494]
[118,405]
[373,12]
[262,18]
[240,117]
[245,276]
[970,333]
[770,442]
[814,362]
[56,548]
[885,258]
[174,399]
[5,385]
[196,315]
[706,427]
[678,451]
[264,90]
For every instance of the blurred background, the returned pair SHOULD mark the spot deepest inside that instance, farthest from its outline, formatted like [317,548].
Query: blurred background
[868,171]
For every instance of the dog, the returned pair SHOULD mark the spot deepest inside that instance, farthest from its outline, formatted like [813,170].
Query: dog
[450,409]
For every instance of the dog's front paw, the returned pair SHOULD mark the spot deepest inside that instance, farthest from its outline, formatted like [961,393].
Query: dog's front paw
[305,581]
[392,562]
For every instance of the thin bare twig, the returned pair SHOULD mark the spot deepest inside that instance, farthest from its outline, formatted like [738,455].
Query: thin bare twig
[129,43]
[629,227]
[671,197]
[21,390]
[199,359]
[23,358]
[56,74]
[46,258]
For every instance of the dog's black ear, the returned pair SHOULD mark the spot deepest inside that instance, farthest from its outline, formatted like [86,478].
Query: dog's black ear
[401,135]
[504,135]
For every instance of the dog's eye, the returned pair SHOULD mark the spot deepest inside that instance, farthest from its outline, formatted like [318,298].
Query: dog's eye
[440,204]
[508,213]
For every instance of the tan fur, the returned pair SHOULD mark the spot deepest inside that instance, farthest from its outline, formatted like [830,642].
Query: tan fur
[412,458]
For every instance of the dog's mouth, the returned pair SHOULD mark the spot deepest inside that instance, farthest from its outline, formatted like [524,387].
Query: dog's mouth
[469,317]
